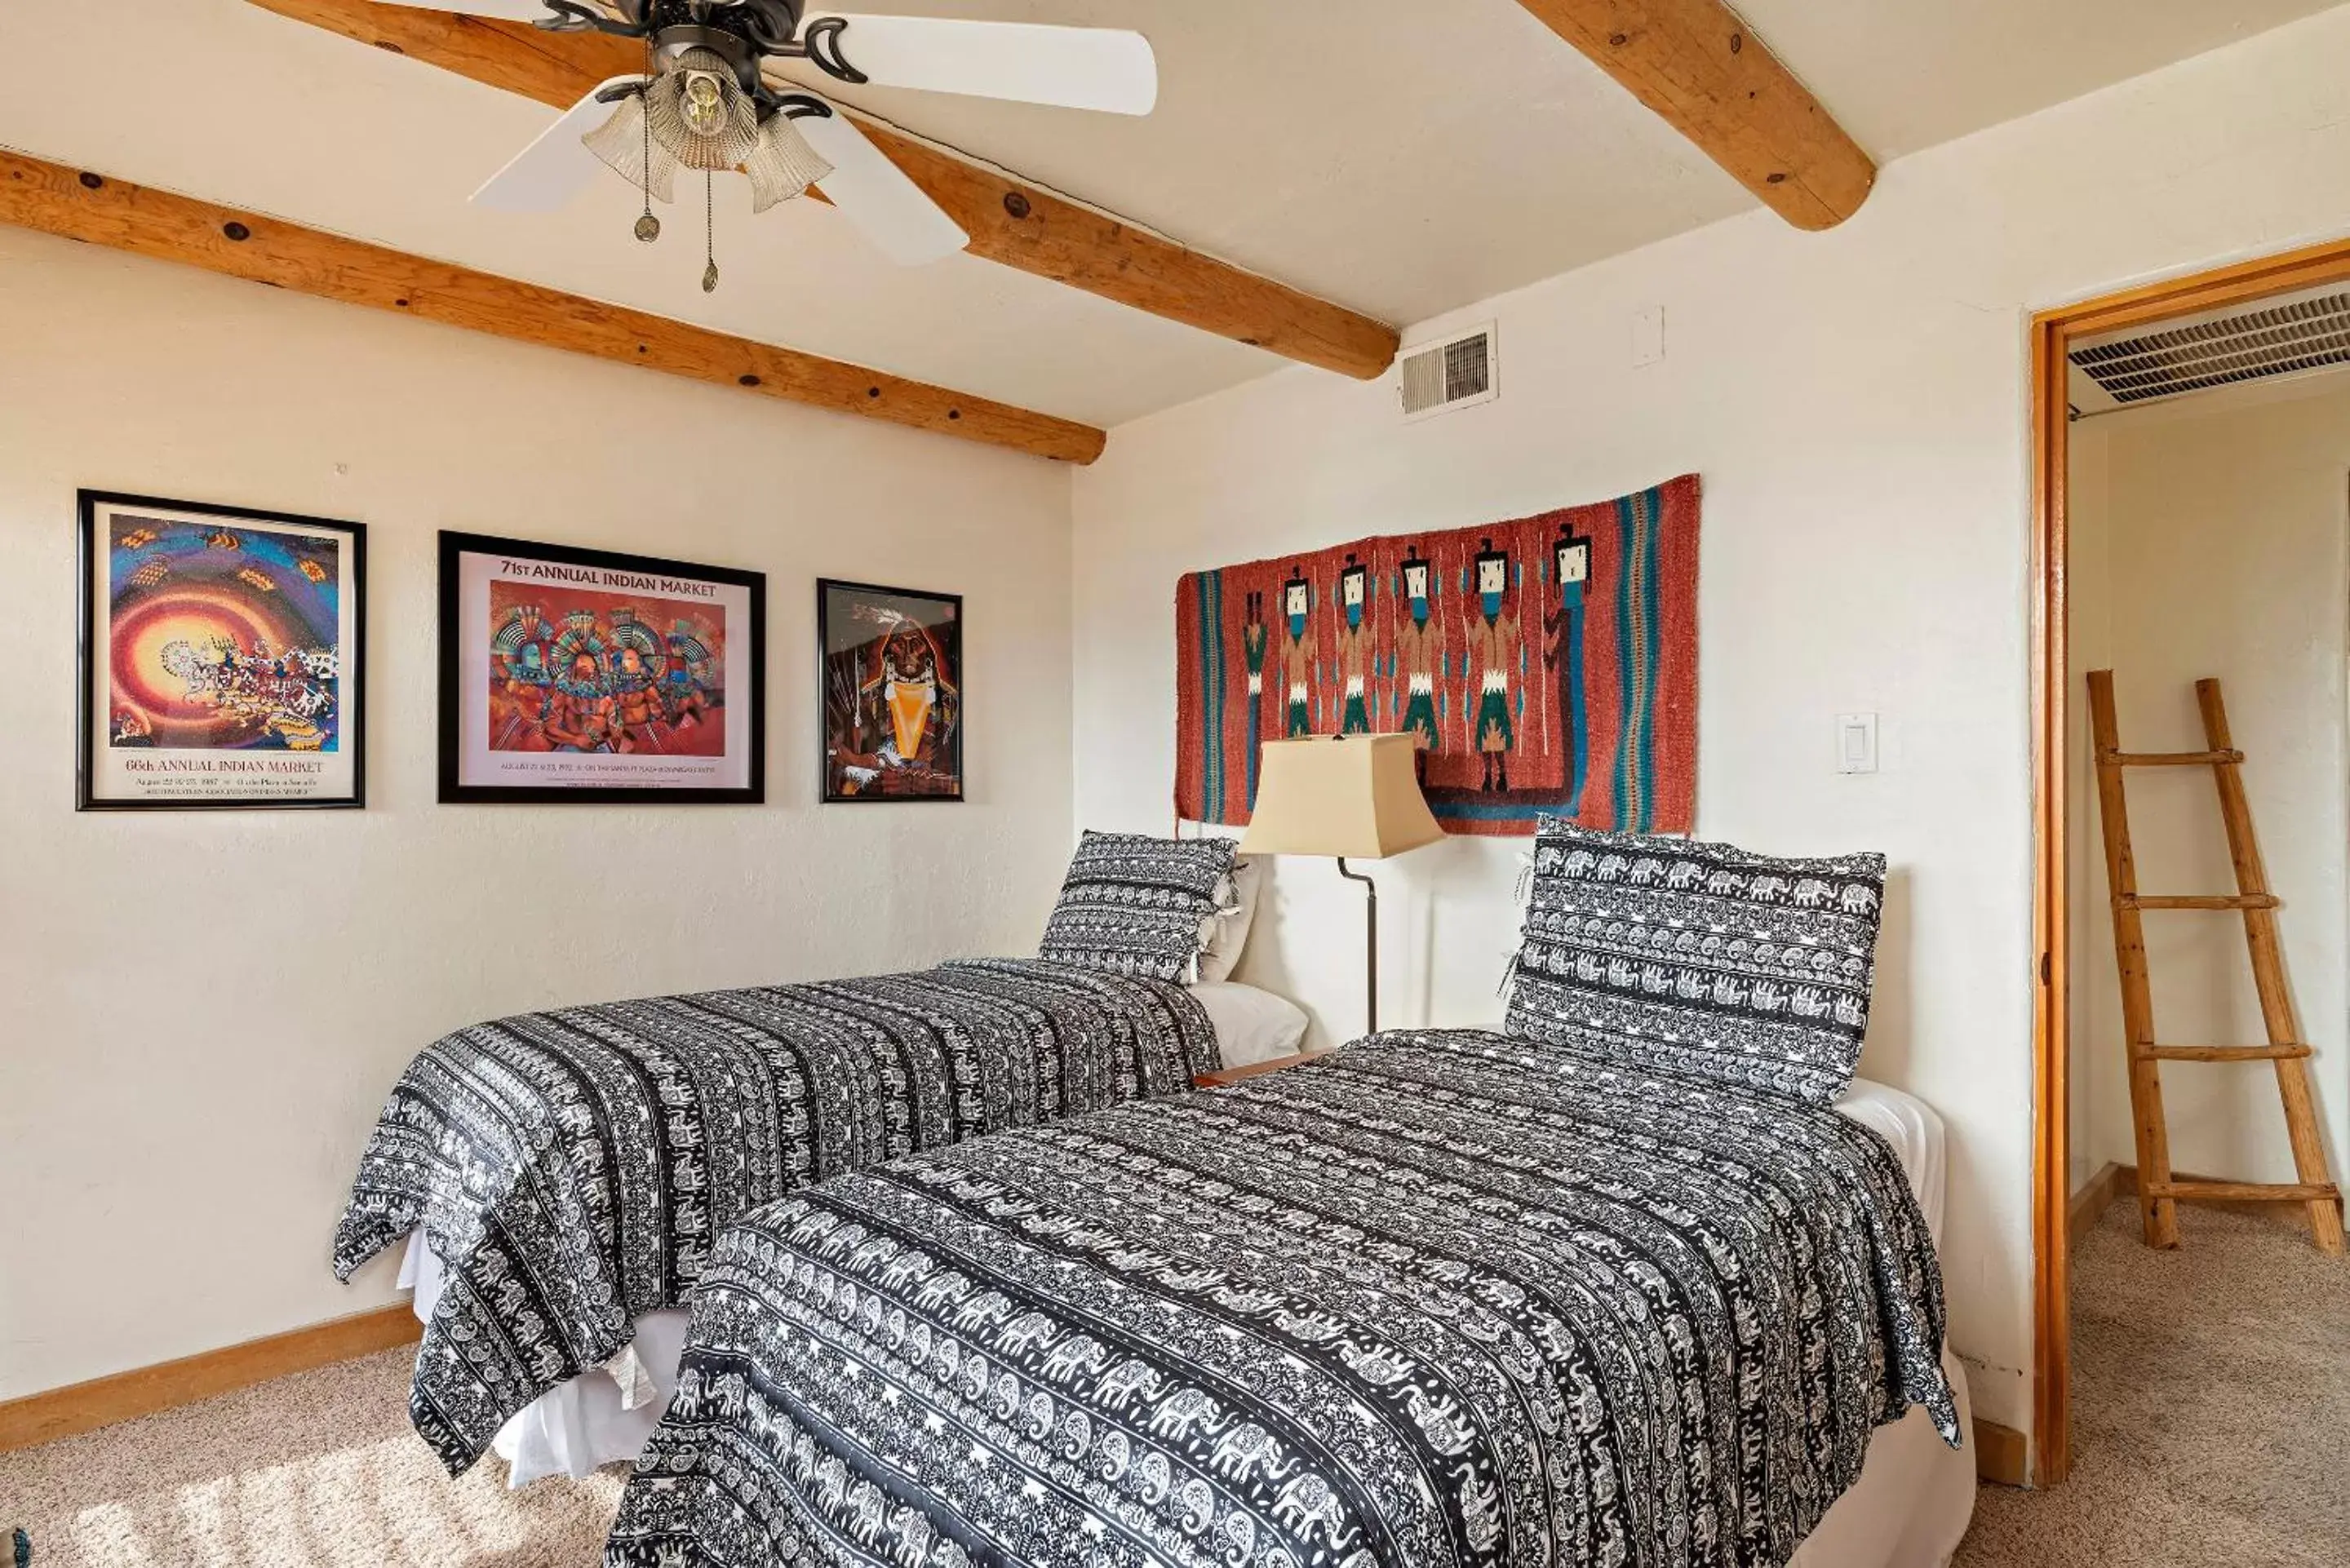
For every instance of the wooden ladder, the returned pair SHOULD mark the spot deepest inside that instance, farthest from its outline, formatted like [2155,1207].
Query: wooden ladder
[2159,1188]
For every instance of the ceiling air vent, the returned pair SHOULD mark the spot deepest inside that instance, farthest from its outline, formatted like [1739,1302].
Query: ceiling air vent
[1452,374]
[2293,335]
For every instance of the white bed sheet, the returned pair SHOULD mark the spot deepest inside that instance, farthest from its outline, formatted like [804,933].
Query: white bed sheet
[1909,1510]
[1914,1131]
[577,1428]
[1252,1024]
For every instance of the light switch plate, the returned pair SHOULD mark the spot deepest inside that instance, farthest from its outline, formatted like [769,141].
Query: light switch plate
[1855,742]
[1649,337]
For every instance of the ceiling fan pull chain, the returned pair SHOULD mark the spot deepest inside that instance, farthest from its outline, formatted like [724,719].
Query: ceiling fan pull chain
[649,227]
[710,231]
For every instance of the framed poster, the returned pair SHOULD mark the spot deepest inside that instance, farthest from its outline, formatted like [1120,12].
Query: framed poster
[892,703]
[223,658]
[584,677]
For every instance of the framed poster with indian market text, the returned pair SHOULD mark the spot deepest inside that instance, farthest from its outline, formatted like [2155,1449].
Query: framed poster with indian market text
[581,677]
[223,658]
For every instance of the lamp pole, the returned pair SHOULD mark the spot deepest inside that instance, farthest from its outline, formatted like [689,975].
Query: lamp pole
[1371,944]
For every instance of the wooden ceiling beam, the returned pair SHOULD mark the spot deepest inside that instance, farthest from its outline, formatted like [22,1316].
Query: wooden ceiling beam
[1695,63]
[1009,221]
[79,205]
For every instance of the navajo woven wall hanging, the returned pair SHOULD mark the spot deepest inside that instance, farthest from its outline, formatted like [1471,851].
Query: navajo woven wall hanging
[1546,664]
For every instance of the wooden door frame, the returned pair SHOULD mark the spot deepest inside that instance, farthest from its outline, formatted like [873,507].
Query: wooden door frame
[2052,332]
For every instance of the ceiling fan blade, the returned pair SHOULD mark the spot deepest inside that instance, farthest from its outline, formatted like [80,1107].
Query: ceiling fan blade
[499,10]
[874,193]
[1074,67]
[547,175]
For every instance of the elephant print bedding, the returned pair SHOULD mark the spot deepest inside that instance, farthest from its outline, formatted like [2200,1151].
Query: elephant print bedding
[572,1170]
[1701,959]
[1448,1300]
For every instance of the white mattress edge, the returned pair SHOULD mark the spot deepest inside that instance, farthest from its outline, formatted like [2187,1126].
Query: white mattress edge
[1915,1130]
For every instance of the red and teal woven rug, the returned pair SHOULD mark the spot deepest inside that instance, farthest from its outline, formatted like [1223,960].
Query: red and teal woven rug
[1547,664]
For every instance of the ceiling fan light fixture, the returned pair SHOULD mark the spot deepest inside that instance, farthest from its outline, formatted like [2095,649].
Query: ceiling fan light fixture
[700,114]
[622,142]
[675,107]
[783,165]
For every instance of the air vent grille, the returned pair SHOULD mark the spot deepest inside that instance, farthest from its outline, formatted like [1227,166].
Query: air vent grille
[1452,374]
[2286,339]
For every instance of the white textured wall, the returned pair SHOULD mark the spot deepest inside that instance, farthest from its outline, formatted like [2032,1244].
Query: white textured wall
[200,1015]
[2227,553]
[1856,404]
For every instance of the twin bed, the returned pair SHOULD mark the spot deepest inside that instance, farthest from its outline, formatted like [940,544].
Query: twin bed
[1544,1295]
[604,1415]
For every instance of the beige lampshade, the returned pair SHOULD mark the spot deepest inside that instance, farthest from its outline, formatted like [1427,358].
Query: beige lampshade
[1355,797]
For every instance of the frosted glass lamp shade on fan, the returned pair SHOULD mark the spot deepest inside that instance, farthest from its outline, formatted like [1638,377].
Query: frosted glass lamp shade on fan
[1355,797]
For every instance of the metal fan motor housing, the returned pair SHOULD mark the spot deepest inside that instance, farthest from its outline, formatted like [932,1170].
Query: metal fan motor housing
[741,32]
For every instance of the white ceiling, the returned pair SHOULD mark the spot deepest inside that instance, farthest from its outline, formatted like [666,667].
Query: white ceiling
[1400,158]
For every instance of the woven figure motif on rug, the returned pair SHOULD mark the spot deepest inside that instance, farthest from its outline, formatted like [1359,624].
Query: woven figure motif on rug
[1545,665]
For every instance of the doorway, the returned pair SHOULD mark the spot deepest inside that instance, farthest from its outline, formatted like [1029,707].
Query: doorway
[2062,953]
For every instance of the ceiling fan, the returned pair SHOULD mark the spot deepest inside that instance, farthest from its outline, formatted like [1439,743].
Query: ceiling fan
[704,102]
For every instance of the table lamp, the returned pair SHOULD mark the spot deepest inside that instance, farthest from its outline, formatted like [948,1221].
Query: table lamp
[1352,797]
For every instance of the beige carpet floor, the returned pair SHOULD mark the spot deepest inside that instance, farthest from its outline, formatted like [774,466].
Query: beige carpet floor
[318,1470]
[2211,1409]
[2213,1422]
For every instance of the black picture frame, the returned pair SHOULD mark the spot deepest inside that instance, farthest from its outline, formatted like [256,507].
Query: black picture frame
[454,548]
[830,788]
[350,678]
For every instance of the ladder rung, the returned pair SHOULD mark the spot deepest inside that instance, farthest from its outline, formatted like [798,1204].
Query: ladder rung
[2244,1191]
[2197,901]
[2226,1053]
[2169,759]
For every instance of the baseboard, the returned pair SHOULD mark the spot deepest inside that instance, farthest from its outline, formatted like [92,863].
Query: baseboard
[2001,1454]
[2096,1195]
[55,1413]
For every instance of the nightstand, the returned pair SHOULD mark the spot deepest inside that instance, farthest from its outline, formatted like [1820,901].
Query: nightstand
[1259,1069]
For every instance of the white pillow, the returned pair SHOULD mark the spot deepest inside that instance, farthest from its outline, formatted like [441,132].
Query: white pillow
[1222,953]
[1252,1025]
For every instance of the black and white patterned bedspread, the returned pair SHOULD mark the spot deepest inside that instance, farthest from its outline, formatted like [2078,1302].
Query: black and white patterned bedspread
[572,1170]
[1449,1300]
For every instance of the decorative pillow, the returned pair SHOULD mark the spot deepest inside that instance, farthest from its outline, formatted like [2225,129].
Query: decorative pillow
[1140,906]
[1701,957]
[1225,949]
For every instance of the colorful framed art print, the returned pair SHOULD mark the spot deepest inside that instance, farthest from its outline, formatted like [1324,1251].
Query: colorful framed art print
[893,693]
[223,658]
[572,675]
